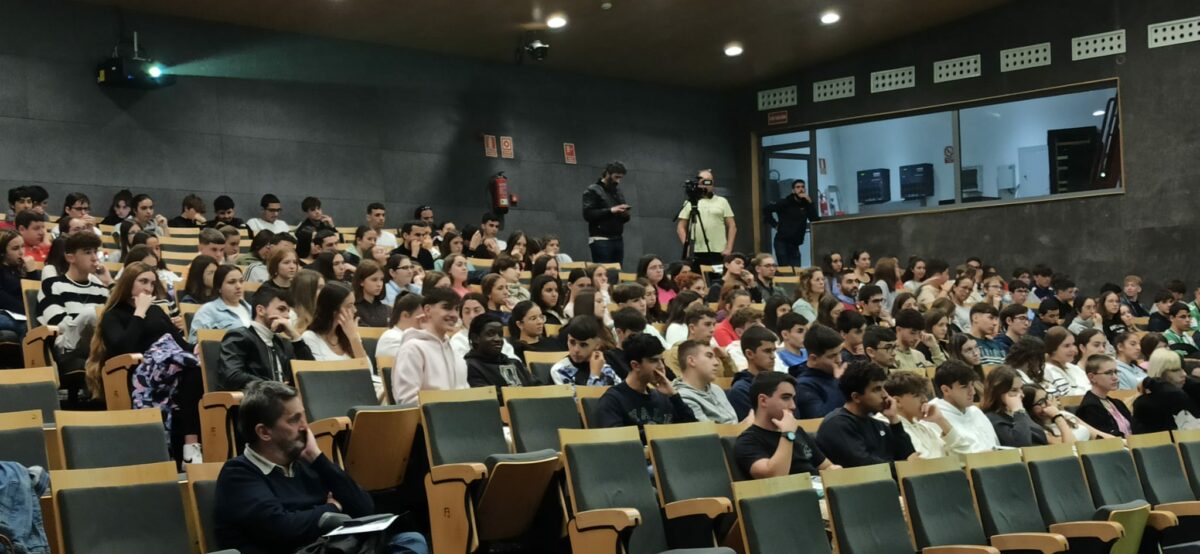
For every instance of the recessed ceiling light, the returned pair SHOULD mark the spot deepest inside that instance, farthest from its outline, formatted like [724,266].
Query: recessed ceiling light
[830,17]
[606,5]
[556,21]
[1098,113]
[733,49]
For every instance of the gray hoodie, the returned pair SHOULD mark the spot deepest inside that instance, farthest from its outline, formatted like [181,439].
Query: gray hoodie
[706,405]
[426,362]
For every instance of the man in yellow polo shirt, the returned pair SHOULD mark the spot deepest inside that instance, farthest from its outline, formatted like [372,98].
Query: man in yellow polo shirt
[713,236]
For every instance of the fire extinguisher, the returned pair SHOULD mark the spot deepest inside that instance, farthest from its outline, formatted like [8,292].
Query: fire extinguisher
[498,188]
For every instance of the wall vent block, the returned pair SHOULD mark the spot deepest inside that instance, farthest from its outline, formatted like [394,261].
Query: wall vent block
[965,67]
[1025,57]
[833,89]
[1169,33]
[893,79]
[1098,45]
[777,98]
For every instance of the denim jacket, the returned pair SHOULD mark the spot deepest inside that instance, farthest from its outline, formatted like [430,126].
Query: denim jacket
[216,315]
[20,509]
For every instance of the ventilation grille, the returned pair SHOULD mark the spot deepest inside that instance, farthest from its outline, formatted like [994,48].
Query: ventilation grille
[777,98]
[1025,57]
[833,89]
[892,79]
[1170,33]
[1098,46]
[955,69]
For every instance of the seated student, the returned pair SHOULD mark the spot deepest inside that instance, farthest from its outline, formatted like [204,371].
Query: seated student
[701,322]
[695,384]
[405,315]
[740,321]
[586,363]
[368,292]
[1062,376]
[910,331]
[1128,353]
[264,350]
[932,434]
[1163,404]
[633,295]
[1065,291]
[314,219]
[1180,331]
[211,243]
[323,240]
[69,300]
[1015,319]
[1160,317]
[192,214]
[852,325]
[1097,409]
[1042,277]
[870,304]
[229,310]
[646,396]
[1087,317]
[817,391]
[758,346]
[414,235]
[984,319]
[790,328]
[282,493]
[18,201]
[425,360]
[937,283]
[724,333]
[487,366]
[1133,287]
[851,436]
[269,217]
[401,278]
[955,383]
[1048,316]
[360,249]
[527,331]
[233,243]
[32,228]
[254,263]
[775,445]
[1060,426]
[224,213]
[472,305]
[1003,406]
[879,346]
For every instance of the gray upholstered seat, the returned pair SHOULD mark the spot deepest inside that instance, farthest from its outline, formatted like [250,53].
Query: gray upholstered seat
[120,520]
[590,403]
[210,355]
[1190,451]
[691,467]
[87,446]
[1163,479]
[464,432]
[1006,500]
[206,504]
[612,475]
[865,525]
[782,522]
[735,471]
[1112,478]
[941,509]
[19,397]
[541,372]
[333,393]
[536,421]
[24,446]
[1061,493]
[370,345]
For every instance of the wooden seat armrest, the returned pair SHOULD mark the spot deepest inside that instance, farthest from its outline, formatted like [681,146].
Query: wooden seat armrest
[617,519]
[709,507]
[329,426]
[960,549]
[1161,520]
[1181,509]
[1106,531]
[1047,543]
[124,361]
[45,332]
[225,399]
[467,473]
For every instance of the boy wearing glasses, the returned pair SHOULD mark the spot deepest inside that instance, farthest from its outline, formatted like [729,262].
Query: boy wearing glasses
[1097,409]
[269,218]
[870,304]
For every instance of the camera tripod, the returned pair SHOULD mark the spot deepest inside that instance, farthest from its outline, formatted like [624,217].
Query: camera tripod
[689,241]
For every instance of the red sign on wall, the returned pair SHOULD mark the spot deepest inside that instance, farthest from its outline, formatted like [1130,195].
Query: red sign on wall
[489,146]
[777,118]
[506,147]
[569,152]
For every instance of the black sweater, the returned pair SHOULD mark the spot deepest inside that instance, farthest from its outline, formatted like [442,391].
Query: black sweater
[852,441]
[497,372]
[621,406]
[1092,411]
[267,514]
[10,290]
[124,333]
[1155,410]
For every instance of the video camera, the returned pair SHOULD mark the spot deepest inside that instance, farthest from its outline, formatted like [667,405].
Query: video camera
[692,190]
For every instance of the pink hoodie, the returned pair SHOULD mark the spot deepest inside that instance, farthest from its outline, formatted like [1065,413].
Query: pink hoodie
[425,362]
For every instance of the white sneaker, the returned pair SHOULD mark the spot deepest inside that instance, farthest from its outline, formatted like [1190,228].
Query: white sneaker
[192,453]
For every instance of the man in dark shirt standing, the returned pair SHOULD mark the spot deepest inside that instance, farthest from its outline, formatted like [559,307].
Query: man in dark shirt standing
[606,213]
[283,493]
[850,436]
[775,445]
[634,401]
[795,211]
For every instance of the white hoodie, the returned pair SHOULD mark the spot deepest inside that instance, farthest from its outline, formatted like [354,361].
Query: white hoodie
[426,362]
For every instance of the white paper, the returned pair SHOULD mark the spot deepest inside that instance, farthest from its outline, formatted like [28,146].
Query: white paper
[364,528]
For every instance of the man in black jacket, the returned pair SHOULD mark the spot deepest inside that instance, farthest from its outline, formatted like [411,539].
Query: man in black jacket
[795,211]
[606,213]
[263,351]
[282,493]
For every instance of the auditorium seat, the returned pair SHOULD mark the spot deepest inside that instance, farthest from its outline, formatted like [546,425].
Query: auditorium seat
[23,439]
[39,338]
[589,400]
[1063,496]
[612,499]
[478,492]
[689,463]
[329,391]
[118,510]
[202,501]
[537,413]
[112,438]
[34,388]
[1165,483]
[1188,442]
[539,364]
[938,497]
[729,434]
[188,311]
[218,409]
[780,514]
[384,366]
[1112,479]
[370,339]
[116,376]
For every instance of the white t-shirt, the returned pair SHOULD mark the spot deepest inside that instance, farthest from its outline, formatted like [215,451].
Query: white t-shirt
[257,224]
[386,240]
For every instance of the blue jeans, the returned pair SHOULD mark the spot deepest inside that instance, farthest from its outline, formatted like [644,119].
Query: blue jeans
[9,324]
[787,253]
[409,542]
[608,251]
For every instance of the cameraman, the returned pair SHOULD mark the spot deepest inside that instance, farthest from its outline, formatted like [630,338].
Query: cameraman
[606,212]
[713,237]
[795,211]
